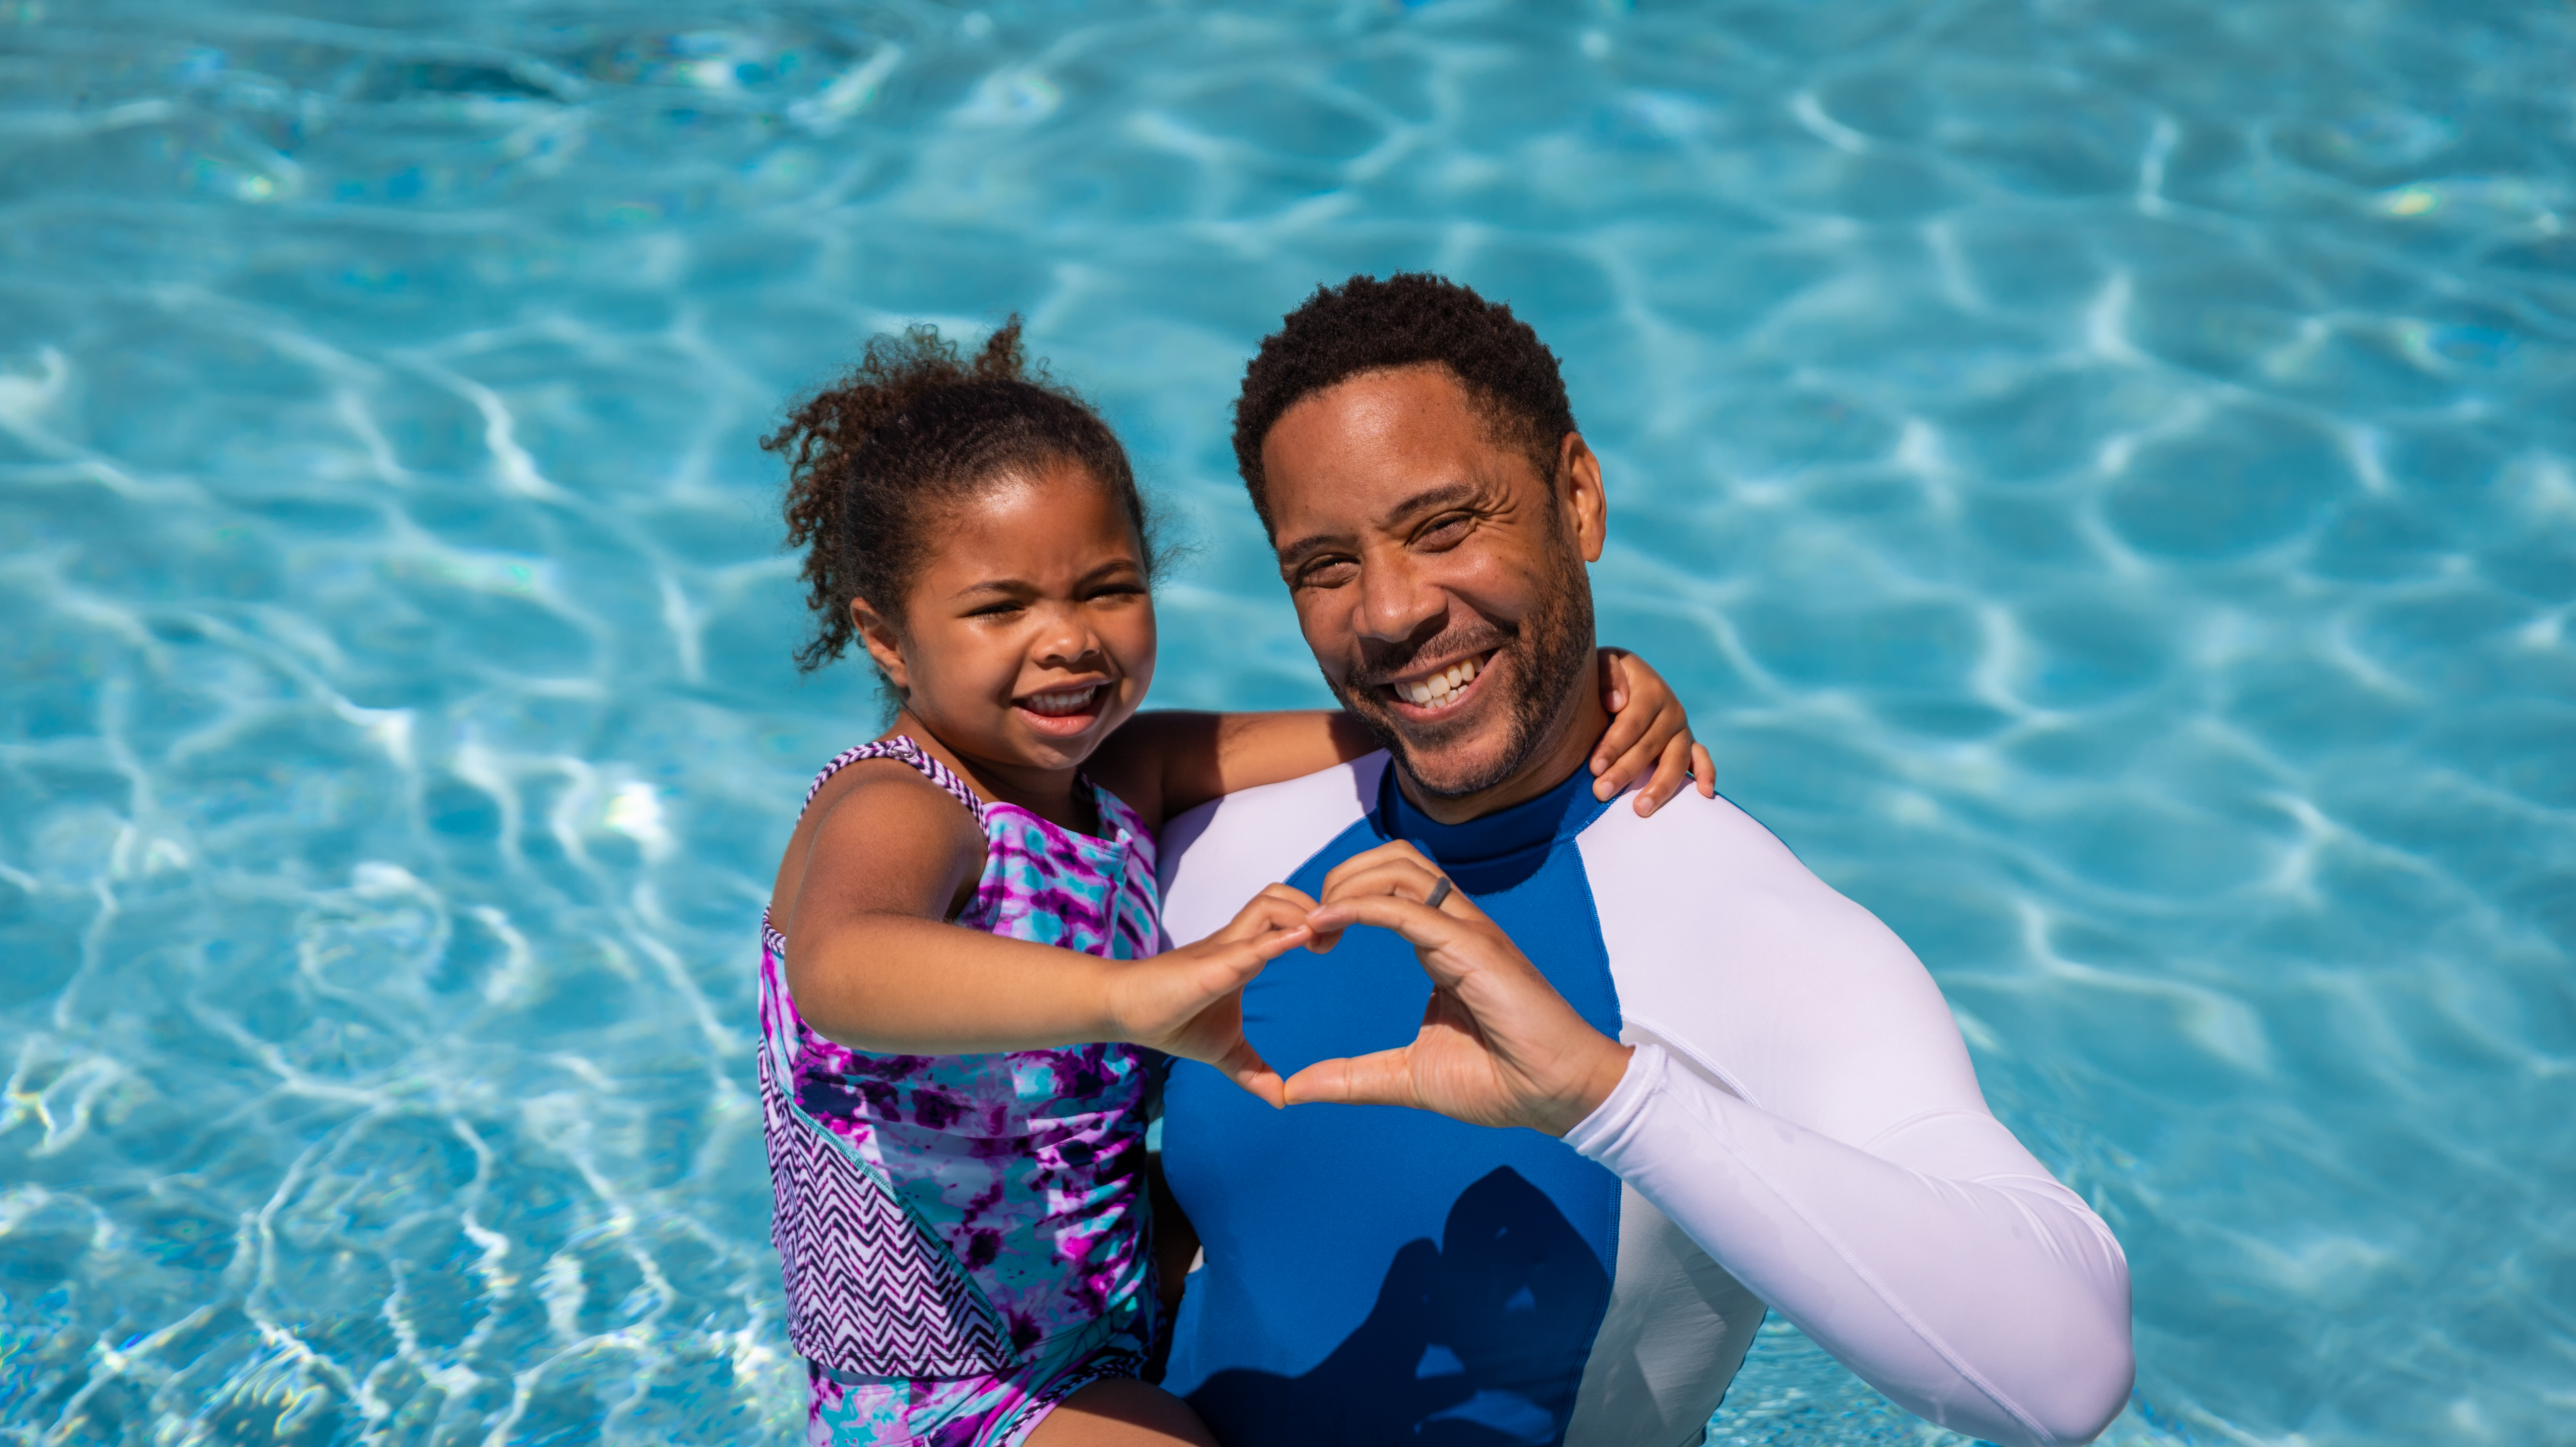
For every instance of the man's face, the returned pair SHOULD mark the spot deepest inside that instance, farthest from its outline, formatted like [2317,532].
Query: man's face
[1437,572]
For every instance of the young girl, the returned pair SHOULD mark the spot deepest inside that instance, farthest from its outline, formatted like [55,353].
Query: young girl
[960,990]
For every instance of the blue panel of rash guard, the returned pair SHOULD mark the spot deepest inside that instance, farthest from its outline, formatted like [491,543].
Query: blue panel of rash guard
[1376,1274]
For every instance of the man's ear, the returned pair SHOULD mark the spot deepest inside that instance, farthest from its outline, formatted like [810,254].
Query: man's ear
[884,644]
[1578,481]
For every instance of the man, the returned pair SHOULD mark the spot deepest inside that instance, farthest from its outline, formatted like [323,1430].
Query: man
[1667,1077]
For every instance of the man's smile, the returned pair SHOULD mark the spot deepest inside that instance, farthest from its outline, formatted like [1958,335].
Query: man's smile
[1431,691]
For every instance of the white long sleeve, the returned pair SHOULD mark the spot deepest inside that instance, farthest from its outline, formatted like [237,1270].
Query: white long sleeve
[1964,1283]
[1800,1106]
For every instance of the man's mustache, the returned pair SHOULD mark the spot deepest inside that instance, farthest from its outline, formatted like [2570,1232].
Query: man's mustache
[1377,669]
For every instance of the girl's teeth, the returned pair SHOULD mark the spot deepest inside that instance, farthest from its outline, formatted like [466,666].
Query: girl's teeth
[1069,700]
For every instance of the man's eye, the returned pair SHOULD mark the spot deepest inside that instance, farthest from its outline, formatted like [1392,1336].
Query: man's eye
[1444,531]
[1328,573]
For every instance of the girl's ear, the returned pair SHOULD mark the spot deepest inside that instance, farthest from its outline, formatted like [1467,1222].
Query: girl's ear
[884,645]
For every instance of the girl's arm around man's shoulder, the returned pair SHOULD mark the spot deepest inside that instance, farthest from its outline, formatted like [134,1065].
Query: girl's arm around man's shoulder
[1167,762]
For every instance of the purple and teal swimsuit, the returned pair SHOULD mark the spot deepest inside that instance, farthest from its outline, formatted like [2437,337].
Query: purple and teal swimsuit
[963,1237]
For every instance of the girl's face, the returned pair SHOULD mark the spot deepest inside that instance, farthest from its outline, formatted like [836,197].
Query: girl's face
[1028,636]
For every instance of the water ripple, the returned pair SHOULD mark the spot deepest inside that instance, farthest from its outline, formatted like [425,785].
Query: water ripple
[2104,477]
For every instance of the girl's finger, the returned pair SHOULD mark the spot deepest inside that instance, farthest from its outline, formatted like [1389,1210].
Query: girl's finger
[1626,730]
[1271,946]
[1671,773]
[1244,1066]
[1614,681]
[1704,769]
[1237,966]
[1275,907]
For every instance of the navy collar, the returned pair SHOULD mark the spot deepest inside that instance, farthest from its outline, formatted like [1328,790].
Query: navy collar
[1551,818]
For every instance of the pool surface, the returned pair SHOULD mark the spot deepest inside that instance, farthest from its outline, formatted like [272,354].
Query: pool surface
[2103,475]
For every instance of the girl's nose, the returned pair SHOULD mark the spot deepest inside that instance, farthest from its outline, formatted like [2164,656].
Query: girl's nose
[1068,641]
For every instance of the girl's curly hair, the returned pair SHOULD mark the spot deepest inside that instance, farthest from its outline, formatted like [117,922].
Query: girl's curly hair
[876,457]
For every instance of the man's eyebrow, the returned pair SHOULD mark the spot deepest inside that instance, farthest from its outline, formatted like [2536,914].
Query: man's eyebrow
[1447,494]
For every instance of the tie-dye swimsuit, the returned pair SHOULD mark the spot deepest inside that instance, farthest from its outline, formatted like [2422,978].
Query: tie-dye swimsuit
[963,1236]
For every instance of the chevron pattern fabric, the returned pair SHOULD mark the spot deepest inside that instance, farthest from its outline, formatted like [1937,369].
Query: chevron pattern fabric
[946,1216]
[870,1289]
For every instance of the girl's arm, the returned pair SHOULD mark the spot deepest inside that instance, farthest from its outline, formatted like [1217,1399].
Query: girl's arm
[873,964]
[1168,761]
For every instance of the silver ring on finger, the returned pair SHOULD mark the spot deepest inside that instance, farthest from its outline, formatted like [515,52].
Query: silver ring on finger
[1439,892]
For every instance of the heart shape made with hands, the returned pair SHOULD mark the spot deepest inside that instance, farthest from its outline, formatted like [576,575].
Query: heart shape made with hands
[1498,1046]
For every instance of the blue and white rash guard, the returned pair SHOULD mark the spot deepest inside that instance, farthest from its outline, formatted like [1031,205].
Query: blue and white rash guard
[1799,1126]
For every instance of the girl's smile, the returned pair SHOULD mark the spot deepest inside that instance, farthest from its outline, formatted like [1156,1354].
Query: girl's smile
[1028,635]
[1064,711]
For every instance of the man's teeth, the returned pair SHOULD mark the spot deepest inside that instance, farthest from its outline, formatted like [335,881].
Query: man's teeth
[1064,701]
[1441,689]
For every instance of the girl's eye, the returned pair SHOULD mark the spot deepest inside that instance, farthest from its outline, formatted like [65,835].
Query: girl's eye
[995,610]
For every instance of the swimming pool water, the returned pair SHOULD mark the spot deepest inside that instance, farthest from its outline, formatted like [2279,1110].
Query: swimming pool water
[2103,474]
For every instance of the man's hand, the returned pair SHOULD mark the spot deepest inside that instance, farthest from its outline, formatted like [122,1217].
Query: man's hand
[1189,1001]
[1498,1046]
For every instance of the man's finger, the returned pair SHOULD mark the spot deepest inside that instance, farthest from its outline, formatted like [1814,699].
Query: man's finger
[1398,878]
[1385,1078]
[1368,859]
[1705,770]
[1386,876]
[1422,927]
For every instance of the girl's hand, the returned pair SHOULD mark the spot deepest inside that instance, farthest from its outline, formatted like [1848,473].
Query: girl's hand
[1647,731]
[1189,1001]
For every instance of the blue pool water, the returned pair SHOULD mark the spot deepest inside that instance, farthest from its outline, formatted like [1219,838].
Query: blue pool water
[2103,474]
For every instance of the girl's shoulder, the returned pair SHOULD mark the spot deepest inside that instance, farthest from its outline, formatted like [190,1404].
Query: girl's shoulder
[897,792]
[906,751]
[875,822]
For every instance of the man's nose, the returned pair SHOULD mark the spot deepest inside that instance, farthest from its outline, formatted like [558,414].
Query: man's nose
[1395,600]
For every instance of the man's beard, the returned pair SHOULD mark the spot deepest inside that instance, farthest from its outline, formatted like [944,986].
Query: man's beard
[1551,652]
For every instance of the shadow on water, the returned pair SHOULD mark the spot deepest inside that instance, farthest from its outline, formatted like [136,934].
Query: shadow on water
[1475,1341]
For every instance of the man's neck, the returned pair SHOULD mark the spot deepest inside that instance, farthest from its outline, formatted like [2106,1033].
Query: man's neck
[1571,737]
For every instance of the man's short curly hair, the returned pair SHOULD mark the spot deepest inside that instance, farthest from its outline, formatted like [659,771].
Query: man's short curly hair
[1367,325]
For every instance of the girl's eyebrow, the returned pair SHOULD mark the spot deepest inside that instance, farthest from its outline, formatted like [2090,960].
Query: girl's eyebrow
[1021,588]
